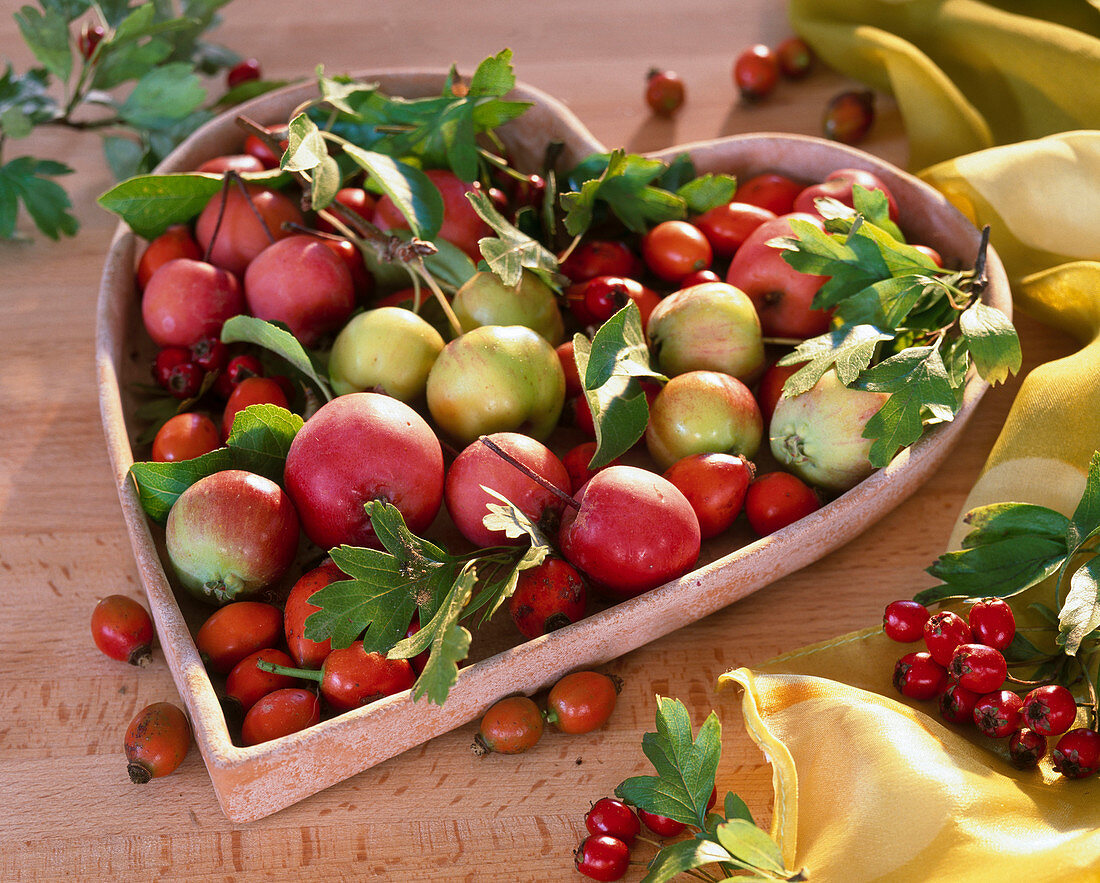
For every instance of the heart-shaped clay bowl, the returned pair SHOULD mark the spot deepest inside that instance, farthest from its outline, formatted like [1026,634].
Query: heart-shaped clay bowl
[256,781]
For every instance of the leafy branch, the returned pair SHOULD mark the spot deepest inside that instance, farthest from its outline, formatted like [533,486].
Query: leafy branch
[901,324]
[681,790]
[132,72]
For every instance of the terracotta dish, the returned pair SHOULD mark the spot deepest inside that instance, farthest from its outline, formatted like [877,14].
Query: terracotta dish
[254,782]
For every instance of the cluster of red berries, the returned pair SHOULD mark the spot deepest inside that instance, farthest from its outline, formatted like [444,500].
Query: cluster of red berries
[613,826]
[963,666]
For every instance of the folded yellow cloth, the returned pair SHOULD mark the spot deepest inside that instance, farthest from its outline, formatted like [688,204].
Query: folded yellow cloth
[870,786]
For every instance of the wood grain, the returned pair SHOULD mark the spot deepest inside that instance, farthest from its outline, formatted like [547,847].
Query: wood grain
[436,811]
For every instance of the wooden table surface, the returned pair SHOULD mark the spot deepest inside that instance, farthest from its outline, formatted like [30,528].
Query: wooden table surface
[437,811]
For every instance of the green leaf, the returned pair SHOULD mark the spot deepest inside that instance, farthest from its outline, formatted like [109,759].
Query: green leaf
[47,36]
[160,484]
[1022,650]
[150,204]
[512,251]
[918,382]
[450,642]
[676,858]
[685,766]
[707,191]
[494,76]
[375,600]
[885,303]
[125,156]
[998,569]
[26,180]
[848,350]
[751,846]
[306,148]
[610,366]
[993,343]
[1080,613]
[1085,522]
[25,101]
[162,97]
[507,517]
[249,329]
[260,439]
[412,192]
[625,186]
[999,521]
[736,808]
[338,91]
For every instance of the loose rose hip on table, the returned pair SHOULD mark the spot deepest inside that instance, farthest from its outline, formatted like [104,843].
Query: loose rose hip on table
[122,629]
[156,742]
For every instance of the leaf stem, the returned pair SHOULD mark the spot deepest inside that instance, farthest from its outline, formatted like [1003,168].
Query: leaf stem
[1092,704]
[529,472]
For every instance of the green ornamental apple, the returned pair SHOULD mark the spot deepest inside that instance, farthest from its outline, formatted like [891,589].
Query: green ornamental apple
[496,378]
[485,300]
[818,435]
[388,349]
[708,327]
[703,412]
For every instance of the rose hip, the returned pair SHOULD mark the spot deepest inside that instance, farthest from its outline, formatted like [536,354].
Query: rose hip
[156,742]
[237,630]
[123,630]
[943,632]
[1049,710]
[247,683]
[279,714]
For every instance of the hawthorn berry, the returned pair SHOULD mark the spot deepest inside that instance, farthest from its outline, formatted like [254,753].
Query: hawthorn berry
[613,817]
[957,704]
[664,92]
[602,857]
[918,676]
[661,825]
[795,58]
[997,714]
[978,667]
[849,116]
[1026,748]
[756,72]
[1077,754]
[243,71]
[992,622]
[904,620]
[943,632]
[1050,710]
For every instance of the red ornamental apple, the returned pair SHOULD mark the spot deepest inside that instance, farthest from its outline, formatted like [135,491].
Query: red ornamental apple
[240,234]
[230,535]
[302,283]
[187,299]
[839,185]
[818,435]
[632,531]
[462,226]
[360,447]
[782,295]
[479,467]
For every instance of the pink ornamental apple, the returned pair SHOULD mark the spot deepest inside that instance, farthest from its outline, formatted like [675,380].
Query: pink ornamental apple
[479,467]
[360,447]
[186,299]
[632,531]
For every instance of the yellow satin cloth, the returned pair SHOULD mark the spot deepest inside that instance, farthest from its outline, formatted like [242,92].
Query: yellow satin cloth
[868,786]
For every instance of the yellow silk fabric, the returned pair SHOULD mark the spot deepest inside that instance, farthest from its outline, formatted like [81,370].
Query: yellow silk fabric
[1004,109]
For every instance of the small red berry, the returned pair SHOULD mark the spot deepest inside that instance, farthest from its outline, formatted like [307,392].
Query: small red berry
[90,37]
[242,72]
[602,857]
[611,816]
[699,277]
[849,116]
[661,825]
[918,676]
[167,359]
[185,381]
[943,632]
[997,714]
[123,630]
[795,57]
[664,92]
[210,354]
[992,622]
[1077,754]
[903,621]
[1026,748]
[1050,710]
[978,667]
[756,72]
[957,704]
[239,368]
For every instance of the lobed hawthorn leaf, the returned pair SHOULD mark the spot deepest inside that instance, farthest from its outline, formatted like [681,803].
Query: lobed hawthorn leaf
[992,340]
[27,180]
[626,187]
[494,76]
[708,191]
[512,251]
[685,766]
[885,303]
[47,36]
[163,96]
[848,350]
[336,91]
[1080,613]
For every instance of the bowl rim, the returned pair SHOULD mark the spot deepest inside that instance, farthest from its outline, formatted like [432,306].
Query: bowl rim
[253,782]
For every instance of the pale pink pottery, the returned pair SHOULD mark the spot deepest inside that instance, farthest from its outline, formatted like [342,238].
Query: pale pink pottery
[257,781]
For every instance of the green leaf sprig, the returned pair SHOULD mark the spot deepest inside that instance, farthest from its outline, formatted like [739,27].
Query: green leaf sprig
[142,83]
[1012,547]
[681,789]
[902,325]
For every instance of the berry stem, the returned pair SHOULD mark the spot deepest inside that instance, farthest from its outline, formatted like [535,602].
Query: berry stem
[530,473]
[1092,704]
[308,674]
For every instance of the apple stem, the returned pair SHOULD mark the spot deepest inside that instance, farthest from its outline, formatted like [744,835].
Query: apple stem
[783,341]
[530,473]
